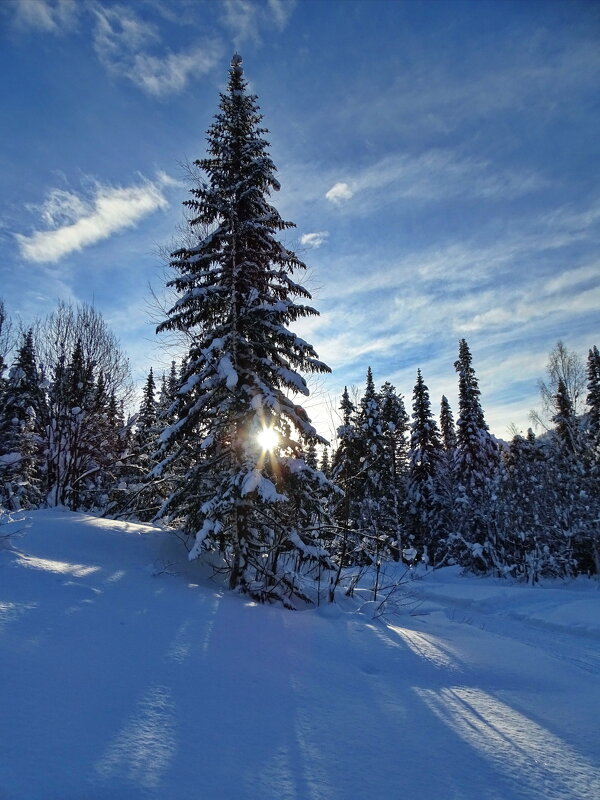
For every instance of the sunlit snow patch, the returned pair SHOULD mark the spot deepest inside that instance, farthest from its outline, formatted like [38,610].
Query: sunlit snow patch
[60,567]
[523,751]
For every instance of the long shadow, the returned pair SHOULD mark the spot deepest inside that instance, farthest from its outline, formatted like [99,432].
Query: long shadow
[169,689]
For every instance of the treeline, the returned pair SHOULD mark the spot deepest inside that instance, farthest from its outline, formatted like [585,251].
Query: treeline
[450,493]
[62,412]
[397,485]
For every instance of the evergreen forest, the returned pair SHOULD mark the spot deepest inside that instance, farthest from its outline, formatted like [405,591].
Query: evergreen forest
[222,451]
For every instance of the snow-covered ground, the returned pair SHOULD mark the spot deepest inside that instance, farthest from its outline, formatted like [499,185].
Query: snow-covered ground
[127,673]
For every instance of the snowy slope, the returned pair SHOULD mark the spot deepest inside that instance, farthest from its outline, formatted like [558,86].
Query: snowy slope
[126,672]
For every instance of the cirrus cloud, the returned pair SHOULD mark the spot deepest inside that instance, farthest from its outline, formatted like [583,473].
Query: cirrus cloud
[123,43]
[77,222]
[49,16]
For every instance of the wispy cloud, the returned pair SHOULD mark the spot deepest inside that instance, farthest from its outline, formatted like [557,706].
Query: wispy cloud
[76,222]
[245,18]
[281,11]
[431,176]
[532,249]
[124,44]
[314,240]
[50,16]
[519,78]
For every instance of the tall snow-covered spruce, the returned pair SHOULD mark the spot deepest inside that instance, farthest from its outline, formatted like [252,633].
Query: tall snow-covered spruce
[247,494]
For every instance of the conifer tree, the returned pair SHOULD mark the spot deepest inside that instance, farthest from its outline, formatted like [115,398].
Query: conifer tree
[236,300]
[21,416]
[375,491]
[476,470]
[146,423]
[593,402]
[310,455]
[592,458]
[424,497]
[345,466]
[70,393]
[565,421]
[447,476]
[325,465]
[526,517]
[143,497]
[395,439]
[447,428]
[575,496]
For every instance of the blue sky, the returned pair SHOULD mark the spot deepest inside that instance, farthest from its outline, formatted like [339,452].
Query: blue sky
[441,161]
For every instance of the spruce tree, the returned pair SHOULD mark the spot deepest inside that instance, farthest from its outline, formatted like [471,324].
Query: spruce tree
[375,491]
[593,400]
[325,465]
[236,300]
[575,488]
[396,445]
[476,471]
[592,450]
[424,496]
[447,428]
[143,497]
[310,455]
[345,467]
[526,516]
[447,475]
[22,413]
[146,422]
[593,441]
[565,421]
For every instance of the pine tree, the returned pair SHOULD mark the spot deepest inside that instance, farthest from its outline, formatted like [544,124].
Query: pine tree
[576,488]
[146,422]
[236,296]
[592,452]
[345,466]
[311,454]
[325,465]
[593,402]
[447,474]
[447,428]
[70,392]
[82,445]
[526,516]
[395,440]
[565,421]
[143,497]
[21,419]
[424,496]
[375,491]
[476,471]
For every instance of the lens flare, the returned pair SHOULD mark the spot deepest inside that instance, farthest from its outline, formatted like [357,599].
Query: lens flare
[268,439]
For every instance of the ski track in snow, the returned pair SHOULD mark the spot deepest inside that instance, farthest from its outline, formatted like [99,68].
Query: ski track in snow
[127,674]
[579,649]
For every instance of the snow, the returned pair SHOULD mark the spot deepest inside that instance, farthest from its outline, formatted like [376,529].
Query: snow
[255,480]
[128,673]
[10,458]
[226,370]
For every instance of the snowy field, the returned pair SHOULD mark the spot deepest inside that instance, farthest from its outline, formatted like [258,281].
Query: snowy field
[127,673]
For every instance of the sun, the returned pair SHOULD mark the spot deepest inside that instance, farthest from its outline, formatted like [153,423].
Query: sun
[268,439]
